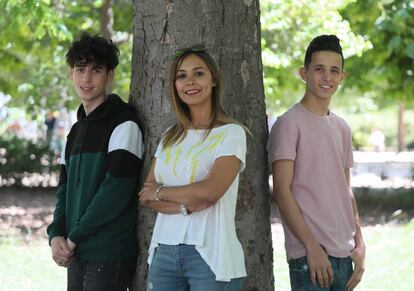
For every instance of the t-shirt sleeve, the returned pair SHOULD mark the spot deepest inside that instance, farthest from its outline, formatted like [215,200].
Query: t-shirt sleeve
[234,144]
[283,140]
[348,154]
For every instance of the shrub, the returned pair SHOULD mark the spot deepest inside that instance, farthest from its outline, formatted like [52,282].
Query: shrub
[20,156]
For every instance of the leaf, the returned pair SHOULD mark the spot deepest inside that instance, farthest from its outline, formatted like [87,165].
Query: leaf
[394,42]
[387,2]
[410,50]
[40,32]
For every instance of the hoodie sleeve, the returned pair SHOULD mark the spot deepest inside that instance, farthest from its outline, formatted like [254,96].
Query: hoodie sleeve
[125,151]
[57,227]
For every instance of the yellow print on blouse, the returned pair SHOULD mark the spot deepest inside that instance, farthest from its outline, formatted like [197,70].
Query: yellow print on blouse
[193,154]
[177,155]
[209,145]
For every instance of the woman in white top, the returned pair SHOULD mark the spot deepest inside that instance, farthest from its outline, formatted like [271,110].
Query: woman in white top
[193,183]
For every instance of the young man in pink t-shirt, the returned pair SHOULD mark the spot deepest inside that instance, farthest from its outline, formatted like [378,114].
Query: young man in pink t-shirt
[310,149]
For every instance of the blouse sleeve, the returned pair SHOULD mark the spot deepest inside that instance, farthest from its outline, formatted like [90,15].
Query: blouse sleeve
[159,149]
[234,144]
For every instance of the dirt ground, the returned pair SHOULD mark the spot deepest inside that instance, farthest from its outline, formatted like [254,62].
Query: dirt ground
[27,212]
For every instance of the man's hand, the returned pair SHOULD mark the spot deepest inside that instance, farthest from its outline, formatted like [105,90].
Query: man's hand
[358,257]
[71,244]
[319,266]
[61,253]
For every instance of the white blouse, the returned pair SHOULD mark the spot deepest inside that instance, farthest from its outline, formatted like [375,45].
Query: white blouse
[211,230]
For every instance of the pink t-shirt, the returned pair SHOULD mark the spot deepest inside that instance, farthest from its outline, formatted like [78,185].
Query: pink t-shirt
[321,147]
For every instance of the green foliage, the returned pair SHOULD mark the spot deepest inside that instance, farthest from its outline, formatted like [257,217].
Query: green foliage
[287,28]
[387,68]
[364,115]
[31,33]
[35,37]
[385,199]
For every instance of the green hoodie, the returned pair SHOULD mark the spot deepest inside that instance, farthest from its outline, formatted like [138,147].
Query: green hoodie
[96,197]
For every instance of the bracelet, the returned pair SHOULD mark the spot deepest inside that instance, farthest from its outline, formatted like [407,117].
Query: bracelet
[183,209]
[157,192]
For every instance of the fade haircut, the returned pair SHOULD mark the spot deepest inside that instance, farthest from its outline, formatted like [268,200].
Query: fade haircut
[323,43]
[95,50]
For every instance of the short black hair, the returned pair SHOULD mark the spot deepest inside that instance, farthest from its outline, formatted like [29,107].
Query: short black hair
[94,50]
[323,42]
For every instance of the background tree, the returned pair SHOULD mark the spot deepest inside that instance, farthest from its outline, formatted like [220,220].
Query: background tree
[386,69]
[231,32]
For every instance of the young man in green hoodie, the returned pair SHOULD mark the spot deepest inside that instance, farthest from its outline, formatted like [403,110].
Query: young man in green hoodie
[93,232]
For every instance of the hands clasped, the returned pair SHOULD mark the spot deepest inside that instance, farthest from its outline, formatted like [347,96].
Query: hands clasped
[62,250]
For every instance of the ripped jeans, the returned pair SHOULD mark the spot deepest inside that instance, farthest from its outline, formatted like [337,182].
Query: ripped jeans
[103,276]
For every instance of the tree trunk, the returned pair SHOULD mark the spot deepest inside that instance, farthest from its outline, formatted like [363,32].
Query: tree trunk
[401,130]
[231,32]
[107,24]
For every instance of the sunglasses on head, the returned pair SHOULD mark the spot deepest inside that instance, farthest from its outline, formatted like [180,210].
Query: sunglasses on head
[193,49]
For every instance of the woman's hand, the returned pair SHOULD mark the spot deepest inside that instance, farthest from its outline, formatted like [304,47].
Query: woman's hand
[148,193]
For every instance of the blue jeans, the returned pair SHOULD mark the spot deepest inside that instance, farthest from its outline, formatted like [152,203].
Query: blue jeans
[300,278]
[106,276]
[181,268]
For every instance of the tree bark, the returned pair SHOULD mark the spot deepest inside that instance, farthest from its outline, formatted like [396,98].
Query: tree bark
[401,129]
[230,29]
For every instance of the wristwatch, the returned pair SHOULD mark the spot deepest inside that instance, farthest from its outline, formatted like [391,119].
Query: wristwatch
[183,209]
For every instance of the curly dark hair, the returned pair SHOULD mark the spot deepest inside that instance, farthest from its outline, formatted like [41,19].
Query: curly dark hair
[94,50]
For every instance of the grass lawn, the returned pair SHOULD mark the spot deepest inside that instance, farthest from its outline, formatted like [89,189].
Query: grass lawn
[390,258]
[29,267]
[389,264]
